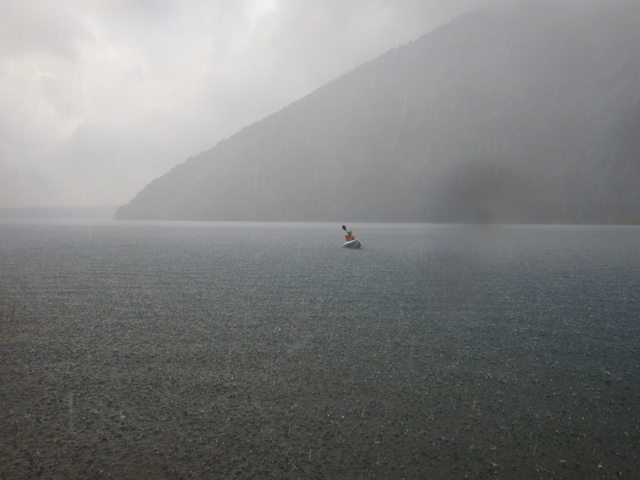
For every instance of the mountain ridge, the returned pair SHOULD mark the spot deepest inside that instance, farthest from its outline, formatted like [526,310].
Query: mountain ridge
[478,120]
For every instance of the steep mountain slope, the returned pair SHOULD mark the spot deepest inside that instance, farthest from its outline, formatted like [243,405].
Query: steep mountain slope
[528,114]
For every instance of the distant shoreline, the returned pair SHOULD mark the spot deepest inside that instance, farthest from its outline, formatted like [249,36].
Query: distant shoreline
[99,212]
[108,213]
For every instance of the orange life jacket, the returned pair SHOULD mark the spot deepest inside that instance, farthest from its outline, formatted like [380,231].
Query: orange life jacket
[349,237]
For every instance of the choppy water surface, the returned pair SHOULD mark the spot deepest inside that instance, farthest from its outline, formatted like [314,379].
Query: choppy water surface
[268,351]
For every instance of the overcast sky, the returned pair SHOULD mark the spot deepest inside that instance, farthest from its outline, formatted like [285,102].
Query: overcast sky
[99,97]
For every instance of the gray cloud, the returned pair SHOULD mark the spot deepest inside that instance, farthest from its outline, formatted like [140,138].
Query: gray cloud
[98,98]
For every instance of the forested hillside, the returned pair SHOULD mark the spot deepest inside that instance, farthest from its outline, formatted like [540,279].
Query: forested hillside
[529,114]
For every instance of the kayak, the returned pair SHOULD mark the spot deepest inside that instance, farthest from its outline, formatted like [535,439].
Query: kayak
[352,244]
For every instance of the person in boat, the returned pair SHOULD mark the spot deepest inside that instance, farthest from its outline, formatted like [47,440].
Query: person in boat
[349,236]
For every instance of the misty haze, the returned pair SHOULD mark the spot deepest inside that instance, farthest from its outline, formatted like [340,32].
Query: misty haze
[522,115]
[483,157]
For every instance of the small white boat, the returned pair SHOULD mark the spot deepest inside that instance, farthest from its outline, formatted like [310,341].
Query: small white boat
[352,244]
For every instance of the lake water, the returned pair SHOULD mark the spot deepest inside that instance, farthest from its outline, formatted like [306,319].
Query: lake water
[230,350]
